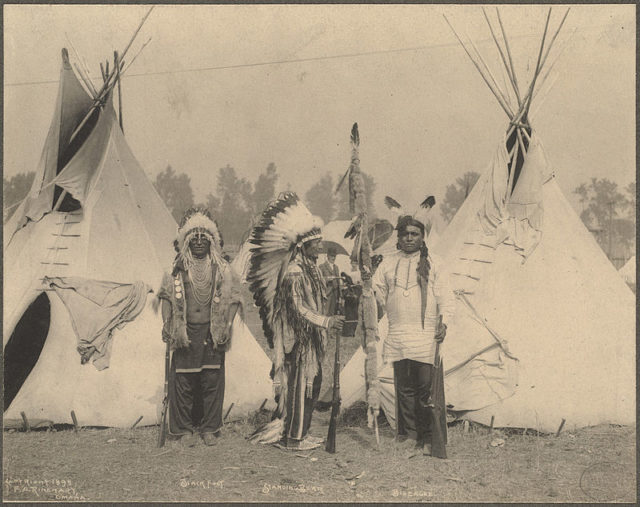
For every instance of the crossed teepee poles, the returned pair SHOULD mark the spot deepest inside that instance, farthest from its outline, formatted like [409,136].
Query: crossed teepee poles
[519,130]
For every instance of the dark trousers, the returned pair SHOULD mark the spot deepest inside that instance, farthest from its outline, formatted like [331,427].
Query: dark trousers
[413,383]
[299,406]
[181,400]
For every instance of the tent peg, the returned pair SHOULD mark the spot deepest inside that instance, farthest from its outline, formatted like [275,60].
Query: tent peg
[75,421]
[560,428]
[227,414]
[263,404]
[493,417]
[137,421]
[27,426]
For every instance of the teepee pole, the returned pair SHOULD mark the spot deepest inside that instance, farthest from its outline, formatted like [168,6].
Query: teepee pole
[493,79]
[506,43]
[544,97]
[528,97]
[548,69]
[136,56]
[86,72]
[479,70]
[60,199]
[108,85]
[538,64]
[504,60]
[116,63]
[514,159]
[86,81]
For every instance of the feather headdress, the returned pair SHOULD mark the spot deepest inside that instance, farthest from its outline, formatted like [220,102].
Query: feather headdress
[198,221]
[422,214]
[284,226]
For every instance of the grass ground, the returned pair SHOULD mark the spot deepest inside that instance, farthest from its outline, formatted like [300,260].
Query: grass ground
[592,464]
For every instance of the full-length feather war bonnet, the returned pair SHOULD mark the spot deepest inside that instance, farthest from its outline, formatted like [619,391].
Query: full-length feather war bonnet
[285,225]
[422,214]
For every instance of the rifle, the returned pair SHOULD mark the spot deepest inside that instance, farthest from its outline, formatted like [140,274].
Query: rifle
[436,406]
[162,433]
[330,445]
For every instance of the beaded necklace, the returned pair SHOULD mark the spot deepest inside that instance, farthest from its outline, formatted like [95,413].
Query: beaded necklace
[201,277]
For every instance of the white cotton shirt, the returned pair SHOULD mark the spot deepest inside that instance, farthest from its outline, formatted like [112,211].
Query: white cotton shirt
[396,285]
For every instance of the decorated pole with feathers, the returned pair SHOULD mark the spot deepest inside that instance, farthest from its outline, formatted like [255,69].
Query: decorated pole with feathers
[367,311]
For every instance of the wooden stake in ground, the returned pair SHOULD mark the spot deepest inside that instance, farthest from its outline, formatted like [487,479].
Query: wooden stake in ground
[228,411]
[137,421]
[75,421]
[27,426]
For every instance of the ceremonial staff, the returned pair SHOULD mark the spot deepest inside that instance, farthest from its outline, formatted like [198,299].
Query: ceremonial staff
[367,311]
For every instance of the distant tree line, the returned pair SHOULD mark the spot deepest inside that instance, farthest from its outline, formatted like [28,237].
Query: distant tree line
[235,202]
[607,211]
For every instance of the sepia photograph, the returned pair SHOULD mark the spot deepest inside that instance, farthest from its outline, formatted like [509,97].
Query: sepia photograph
[310,253]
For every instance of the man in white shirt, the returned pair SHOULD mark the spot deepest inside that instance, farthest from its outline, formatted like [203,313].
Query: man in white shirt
[413,291]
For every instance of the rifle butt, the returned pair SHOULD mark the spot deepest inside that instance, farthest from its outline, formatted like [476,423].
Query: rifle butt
[162,432]
[330,445]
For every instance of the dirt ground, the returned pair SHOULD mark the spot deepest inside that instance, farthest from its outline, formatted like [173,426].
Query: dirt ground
[124,465]
[592,464]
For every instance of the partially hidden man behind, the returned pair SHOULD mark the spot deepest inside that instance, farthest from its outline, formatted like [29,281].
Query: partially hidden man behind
[200,297]
[289,289]
[413,290]
[331,273]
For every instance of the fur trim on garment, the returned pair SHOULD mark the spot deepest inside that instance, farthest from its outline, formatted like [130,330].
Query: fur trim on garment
[226,293]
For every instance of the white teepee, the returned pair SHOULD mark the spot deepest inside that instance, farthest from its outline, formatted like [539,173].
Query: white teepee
[118,230]
[628,271]
[544,327]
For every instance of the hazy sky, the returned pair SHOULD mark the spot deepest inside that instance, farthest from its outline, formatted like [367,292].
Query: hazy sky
[425,115]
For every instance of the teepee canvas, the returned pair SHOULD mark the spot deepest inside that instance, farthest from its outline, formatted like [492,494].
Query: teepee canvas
[93,225]
[628,271]
[544,328]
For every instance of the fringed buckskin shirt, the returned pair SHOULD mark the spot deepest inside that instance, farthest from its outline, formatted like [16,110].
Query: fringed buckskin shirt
[397,290]
[304,304]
